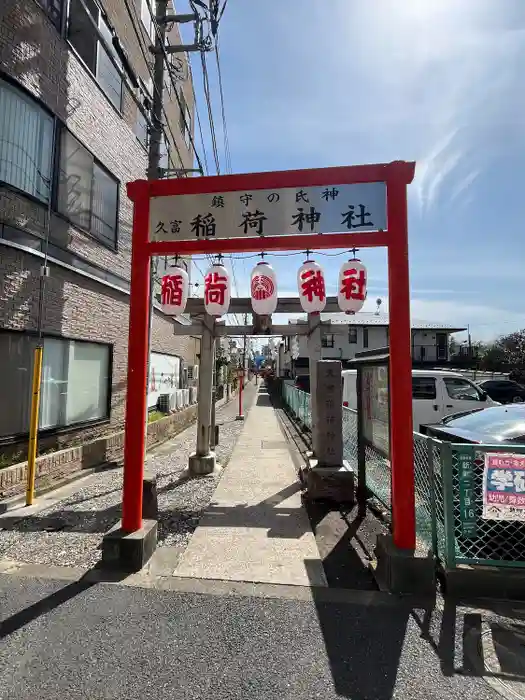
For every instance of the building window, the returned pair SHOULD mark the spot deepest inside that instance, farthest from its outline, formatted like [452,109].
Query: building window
[146,15]
[164,160]
[85,31]
[327,341]
[76,382]
[141,127]
[352,335]
[54,10]
[26,143]
[365,337]
[87,194]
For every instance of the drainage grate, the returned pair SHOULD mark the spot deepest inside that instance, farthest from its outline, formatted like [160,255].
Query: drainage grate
[274,444]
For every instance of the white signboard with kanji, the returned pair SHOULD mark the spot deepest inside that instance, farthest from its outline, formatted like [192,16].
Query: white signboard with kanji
[504,486]
[287,211]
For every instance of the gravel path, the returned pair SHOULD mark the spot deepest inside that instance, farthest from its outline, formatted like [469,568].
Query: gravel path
[69,533]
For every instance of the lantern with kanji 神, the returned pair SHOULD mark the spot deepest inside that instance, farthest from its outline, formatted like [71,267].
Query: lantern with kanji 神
[352,286]
[312,288]
[263,289]
[217,290]
[174,292]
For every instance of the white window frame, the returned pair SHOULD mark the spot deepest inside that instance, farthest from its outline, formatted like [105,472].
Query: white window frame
[105,47]
[146,18]
[65,210]
[16,161]
[58,397]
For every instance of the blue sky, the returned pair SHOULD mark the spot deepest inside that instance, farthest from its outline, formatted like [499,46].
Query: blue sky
[315,83]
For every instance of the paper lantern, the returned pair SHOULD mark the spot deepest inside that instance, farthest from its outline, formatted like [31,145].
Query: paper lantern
[312,288]
[217,290]
[174,292]
[263,289]
[352,286]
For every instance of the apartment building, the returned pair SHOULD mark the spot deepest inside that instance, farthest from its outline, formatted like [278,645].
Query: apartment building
[75,94]
[348,335]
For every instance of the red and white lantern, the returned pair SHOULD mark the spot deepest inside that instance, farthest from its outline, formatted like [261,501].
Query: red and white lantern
[312,287]
[174,291]
[352,286]
[263,289]
[217,290]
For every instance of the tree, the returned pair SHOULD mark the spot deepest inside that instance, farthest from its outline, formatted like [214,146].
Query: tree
[492,359]
[513,347]
[506,353]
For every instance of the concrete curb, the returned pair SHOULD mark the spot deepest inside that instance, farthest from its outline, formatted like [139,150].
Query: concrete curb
[16,501]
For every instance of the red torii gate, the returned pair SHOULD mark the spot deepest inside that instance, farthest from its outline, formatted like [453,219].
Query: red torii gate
[396,176]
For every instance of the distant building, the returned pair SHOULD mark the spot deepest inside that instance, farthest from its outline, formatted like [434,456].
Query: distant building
[349,335]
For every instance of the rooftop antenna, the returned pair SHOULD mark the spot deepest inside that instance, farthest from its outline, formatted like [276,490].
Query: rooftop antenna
[378,302]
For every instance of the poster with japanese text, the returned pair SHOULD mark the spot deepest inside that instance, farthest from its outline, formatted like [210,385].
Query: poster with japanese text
[504,486]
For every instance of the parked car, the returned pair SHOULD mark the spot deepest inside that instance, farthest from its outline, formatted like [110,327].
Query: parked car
[490,426]
[504,390]
[435,394]
[302,382]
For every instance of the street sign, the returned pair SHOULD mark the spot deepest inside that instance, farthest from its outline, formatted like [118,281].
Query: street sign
[346,208]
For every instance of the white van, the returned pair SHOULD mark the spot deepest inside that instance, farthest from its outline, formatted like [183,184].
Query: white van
[435,394]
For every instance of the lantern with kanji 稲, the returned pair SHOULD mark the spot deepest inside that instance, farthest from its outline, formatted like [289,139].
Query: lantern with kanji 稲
[352,286]
[312,288]
[263,289]
[174,292]
[217,290]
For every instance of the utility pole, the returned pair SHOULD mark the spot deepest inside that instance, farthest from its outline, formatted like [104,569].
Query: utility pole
[155,172]
[244,358]
[155,140]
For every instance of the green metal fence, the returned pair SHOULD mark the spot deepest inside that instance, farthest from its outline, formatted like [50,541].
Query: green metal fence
[448,480]
[471,539]
[299,404]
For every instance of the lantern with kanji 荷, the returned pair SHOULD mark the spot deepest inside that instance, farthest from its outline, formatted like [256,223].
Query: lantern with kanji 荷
[263,289]
[217,290]
[174,291]
[352,286]
[312,288]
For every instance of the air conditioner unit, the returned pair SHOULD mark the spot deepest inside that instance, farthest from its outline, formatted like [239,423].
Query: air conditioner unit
[195,372]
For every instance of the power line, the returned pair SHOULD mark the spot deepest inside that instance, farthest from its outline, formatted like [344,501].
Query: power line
[199,124]
[206,86]
[133,17]
[227,153]
[174,86]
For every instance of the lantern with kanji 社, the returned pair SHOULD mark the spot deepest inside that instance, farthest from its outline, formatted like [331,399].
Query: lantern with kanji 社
[312,288]
[217,290]
[174,292]
[352,286]
[263,289]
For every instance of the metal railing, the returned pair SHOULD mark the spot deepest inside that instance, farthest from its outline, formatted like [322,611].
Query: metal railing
[299,404]
[448,495]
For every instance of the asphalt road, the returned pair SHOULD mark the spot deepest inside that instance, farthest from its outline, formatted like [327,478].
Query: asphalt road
[79,640]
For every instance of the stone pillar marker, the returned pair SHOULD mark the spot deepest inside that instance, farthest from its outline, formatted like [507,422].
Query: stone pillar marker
[327,476]
[329,399]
